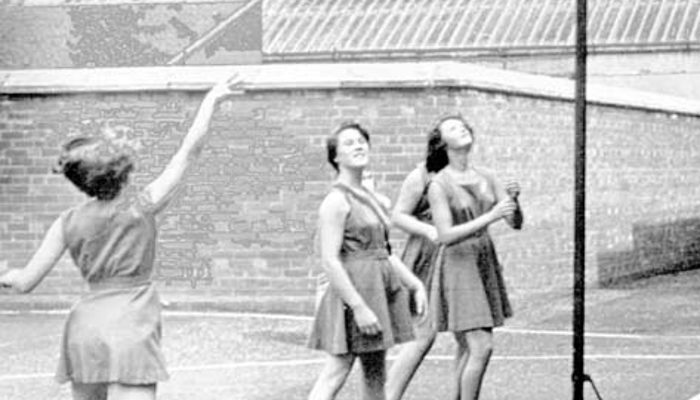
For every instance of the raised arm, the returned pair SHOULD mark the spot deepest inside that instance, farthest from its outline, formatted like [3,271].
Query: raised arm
[332,214]
[409,196]
[163,187]
[442,217]
[49,252]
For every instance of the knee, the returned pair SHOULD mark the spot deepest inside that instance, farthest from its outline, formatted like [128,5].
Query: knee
[480,345]
[334,372]
[336,376]
[426,343]
[482,349]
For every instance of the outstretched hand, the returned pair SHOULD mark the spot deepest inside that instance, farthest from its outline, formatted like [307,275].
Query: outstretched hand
[231,85]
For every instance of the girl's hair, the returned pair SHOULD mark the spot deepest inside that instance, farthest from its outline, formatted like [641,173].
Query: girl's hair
[95,166]
[436,154]
[332,140]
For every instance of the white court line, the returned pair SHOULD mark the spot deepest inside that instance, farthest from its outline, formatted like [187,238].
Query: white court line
[273,316]
[231,314]
[29,340]
[311,361]
[34,312]
[550,332]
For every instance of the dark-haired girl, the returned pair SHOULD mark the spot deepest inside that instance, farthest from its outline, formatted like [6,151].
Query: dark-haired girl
[469,293]
[365,310]
[412,215]
[111,341]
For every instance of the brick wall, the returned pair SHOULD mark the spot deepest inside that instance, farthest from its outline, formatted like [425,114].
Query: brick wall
[243,224]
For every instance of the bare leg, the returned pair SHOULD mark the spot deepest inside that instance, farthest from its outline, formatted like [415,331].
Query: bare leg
[406,365]
[119,391]
[461,358]
[332,377]
[374,375]
[480,344]
[89,391]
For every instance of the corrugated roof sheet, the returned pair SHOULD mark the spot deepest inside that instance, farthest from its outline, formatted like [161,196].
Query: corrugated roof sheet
[376,26]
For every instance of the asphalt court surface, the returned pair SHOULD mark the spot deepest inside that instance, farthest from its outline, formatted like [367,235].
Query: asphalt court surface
[643,343]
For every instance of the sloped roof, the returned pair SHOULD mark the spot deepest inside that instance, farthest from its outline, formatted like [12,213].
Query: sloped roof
[103,33]
[296,27]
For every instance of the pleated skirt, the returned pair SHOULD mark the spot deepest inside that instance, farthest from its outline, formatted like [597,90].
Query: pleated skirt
[469,291]
[334,329]
[113,335]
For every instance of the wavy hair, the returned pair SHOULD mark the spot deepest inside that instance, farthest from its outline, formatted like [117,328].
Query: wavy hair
[436,152]
[95,166]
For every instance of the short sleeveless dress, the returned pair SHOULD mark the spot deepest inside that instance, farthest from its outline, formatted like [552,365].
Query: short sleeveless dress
[113,332]
[419,255]
[469,289]
[364,255]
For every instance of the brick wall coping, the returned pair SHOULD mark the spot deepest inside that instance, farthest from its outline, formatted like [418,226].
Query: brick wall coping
[332,76]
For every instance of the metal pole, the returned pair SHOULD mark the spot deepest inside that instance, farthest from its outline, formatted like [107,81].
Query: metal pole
[578,375]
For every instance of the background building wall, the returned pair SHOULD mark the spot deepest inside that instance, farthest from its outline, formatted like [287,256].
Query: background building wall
[243,225]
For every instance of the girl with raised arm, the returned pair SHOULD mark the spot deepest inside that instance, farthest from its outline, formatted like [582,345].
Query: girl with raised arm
[412,215]
[111,340]
[469,290]
[365,310]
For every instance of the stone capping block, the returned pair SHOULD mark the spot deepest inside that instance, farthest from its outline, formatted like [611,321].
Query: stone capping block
[333,76]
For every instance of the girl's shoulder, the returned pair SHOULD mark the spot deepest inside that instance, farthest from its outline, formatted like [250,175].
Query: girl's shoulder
[336,200]
[486,173]
[419,176]
[441,177]
[383,200]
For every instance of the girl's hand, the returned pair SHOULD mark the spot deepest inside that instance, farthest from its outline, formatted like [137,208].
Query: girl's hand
[229,86]
[420,299]
[513,189]
[431,234]
[366,320]
[503,208]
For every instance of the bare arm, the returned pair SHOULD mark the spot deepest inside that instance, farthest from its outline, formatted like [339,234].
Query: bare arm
[409,196]
[412,282]
[52,247]
[442,217]
[405,275]
[332,215]
[163,187]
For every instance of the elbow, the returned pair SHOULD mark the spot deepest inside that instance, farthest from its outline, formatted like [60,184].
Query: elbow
[396,220]
[444,238]
[24,287]
[196,151]
[394,217]
[16,283]
[329,263]
[192,154]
